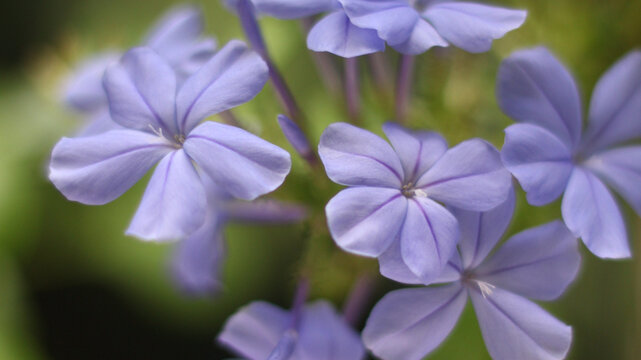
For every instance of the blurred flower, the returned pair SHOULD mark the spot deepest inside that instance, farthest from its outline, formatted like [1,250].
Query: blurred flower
[259,329]
[538,263]
[198,258]
[176,37]
[162,126]
[549,155]
[391,201]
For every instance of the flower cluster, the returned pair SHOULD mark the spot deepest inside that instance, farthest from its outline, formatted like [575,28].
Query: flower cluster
[429,213]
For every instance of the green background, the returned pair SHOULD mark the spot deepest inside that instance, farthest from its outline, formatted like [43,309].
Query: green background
[73,286]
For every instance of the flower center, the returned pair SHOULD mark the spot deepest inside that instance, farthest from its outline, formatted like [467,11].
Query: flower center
[408,190]
[179,138]
[486,288]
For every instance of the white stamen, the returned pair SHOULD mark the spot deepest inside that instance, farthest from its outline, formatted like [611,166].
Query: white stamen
[156,131]
[420,193]
[486,288]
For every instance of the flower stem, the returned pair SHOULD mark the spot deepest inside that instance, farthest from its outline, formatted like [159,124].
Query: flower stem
[404,86]
[358,298]
[324,64]
[351,89]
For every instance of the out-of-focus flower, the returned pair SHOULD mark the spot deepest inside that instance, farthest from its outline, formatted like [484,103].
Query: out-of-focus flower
[550,156]
[198,259]
[176,37]
[538,263]
[259,329]
[393,192]
[161,125]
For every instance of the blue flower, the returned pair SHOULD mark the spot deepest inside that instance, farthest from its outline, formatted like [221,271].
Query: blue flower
[161,125]
[550,156]
[261,329]
[176,37]
[538,263]
[393,192]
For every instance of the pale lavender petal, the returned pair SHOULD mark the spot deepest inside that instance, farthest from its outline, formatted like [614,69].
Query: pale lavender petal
[285,347]
[174,203]
[469,176]
[265,211]
[243,164]
[83,89]
[539,160]
[336,34]
[410,323]
[97,169]
[422,38]
[621,169]
[295,136]
[288,9]
[428,238]
[197,260]
[98,123]
[141,89]
[418,151]
[324,335]
[538,263]
[616,105]
[366,220]
[516,328]
[591,213]
[534,87]
[480,231]
[470,26]
[353,156]
[255,330]
[393,20]
[231,77]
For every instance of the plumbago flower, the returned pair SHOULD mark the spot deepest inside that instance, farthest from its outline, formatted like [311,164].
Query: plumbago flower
[198,259]
[316,332]
[176,37]
[550,156]
[392,197]
[161,126]
[538,263]
[359,27]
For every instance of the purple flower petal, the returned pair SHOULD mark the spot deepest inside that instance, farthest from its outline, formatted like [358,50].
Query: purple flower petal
[393,267]
[480,231]
[324,335]
[83,89]
[428,238]
[241,163]
[621,169]
[98,123]
[197,260]
[353,156]
[469,176]
[410,323]
[516,328]
[422,38]
[538,263]
[255,330]
[141,90]
[417,151]
[539,160]
[173,205]
[336,34]
[295,136]
[616,105]
[287,9]
[393,20]
[591,213]
[534,87]
[97,169]
[366,220]
[232,77]
[470,26]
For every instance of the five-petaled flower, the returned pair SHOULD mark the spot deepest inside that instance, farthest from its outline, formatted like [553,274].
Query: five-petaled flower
[161,124]
[392,194]
[550,156]
[538,263]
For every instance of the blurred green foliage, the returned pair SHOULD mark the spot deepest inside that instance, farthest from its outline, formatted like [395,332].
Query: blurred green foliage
[49,245]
